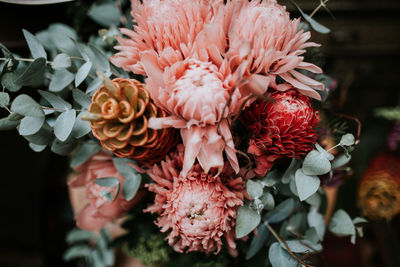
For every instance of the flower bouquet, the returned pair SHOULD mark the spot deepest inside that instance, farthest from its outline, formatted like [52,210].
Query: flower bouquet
[197,132]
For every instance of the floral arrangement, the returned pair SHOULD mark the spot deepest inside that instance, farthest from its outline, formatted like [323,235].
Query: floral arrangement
[205,118]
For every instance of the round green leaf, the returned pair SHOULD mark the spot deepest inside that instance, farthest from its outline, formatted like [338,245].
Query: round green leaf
[306,185]
[30,125]
[60,80]
[4,99]
[254,189]
[36,48]
[316,163]
[64,124]
[26,106]
[61,61]
[246,221]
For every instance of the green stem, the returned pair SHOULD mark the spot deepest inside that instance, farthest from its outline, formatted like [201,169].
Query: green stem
[321,4]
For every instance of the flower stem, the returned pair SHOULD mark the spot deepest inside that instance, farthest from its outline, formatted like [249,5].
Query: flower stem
[280,239]
[322,3]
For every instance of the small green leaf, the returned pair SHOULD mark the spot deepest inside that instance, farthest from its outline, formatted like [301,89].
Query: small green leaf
[55,101]
[280,212]
[268,201]
[132,178]
[61,61]
[4,99]
[341,161]
[107,181]
[60,80]
[314,24]
[35,46]
[8,81]
[314,200]
[30,125]
[26,106]
[32,73]
[7,124]
[43,137]
[93,86]
[82,73]
[85,152]
[81,98]
[79,235]
[312,235]
[63,147]
[258,241]
[280,257]
[358,220]
[37,148]
[105,14]
[306,185]
[78,251]
[61,36]
[302,246]
[246,221]
[254,189]
[341,224]
[64,124]
[347,140]
[291,171]
[81,127]
[315,163]
[316,220]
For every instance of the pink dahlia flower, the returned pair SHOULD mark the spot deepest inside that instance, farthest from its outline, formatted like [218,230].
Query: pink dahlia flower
[262,34]
[197,210]
[168,27]
[99,211]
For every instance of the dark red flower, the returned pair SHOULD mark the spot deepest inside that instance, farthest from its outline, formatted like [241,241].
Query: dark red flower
[283,127]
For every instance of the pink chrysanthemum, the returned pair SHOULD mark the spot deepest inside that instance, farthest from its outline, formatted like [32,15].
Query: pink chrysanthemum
[262,34]
[198,210]
[168,27]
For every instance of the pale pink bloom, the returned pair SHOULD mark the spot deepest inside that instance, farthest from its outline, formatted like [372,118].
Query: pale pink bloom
[99,211]
[197,210]
[168,27]
[262,35]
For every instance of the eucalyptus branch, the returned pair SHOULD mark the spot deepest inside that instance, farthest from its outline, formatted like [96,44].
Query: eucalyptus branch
[281,240]
[321,4]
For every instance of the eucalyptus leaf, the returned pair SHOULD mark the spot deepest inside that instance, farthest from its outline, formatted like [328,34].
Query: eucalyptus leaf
[347,140]
[341,161]
[60,80]
[280,257]
[81,98]
[306,184]
[81,127]
[30,125]
[63,148]
[4,99]
[325,153]
[314,24]
[291,171]
[55,101]
[36,48]
[7,124]
[341,224]
[246,221]
[133,178]
[315,163]
[43,137]
[280,212]
[93,86]
[271,179]
[258,241]
[312,235]
[268,200]
[316,220]
[302,246]
[107,181]
[358,220]
[8,81]
[37,148]
[82,73]
[61,61]
[314,200]
[85,152]
[79,235]
[26,106]
[62,35]
[77,251]
[64,124]
[254,189]
[32,73]
[106,14]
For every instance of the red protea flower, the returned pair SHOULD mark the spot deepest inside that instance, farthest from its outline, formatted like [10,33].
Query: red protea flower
[379,192]
[197,209]
[283,127]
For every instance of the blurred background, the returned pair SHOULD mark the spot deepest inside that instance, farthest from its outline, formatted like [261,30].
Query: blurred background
[362,53]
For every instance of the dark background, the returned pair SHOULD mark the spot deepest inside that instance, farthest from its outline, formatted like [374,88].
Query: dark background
[362,53]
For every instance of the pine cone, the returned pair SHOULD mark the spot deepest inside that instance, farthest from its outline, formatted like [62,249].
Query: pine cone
[120,112]
[379,192]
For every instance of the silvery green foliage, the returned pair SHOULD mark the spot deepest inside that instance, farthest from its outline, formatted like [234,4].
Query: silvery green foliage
[94,248]
[288,203]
